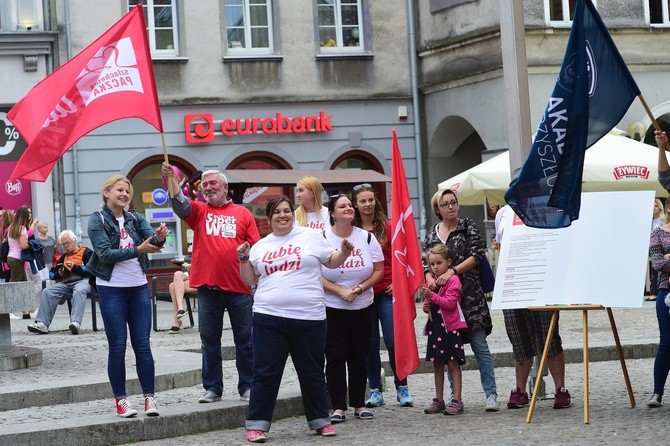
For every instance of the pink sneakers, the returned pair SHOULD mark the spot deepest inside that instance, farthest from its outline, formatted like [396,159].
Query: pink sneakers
[255,436]
[327,431]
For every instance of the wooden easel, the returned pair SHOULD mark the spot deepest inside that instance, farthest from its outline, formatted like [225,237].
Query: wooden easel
[545,353]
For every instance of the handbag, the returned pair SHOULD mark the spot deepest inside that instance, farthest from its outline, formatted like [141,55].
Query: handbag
[4,250]
[486,276]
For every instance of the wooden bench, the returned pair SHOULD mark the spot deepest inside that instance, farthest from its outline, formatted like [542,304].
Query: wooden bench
[160,291]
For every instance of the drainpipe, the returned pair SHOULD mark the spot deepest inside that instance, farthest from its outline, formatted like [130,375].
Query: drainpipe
[417,121]
[75,155]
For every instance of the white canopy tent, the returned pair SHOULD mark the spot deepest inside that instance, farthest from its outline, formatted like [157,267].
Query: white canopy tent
[613,163]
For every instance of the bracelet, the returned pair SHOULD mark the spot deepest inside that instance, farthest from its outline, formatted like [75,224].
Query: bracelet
[244,261]
[243,258]
[453,269]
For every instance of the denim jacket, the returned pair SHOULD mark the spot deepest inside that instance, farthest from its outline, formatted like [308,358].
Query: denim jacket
[106,236]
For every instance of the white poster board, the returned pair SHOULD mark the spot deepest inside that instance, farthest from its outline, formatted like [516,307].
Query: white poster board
[601,259]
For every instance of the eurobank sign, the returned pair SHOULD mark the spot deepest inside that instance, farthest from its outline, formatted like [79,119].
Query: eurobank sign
[201,127]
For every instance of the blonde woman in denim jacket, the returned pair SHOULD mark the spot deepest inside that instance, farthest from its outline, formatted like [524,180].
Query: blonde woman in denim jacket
[121,241]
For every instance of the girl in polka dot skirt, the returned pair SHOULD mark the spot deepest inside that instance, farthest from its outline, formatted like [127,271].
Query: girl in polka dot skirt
[445,326]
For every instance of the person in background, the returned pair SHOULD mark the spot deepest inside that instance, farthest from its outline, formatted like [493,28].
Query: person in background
[310,211]
[18,239]
[466,246]
[445,324]
[370,216]
[179,286]
[349,298]
[219,227]
[6,218]
[121,241]
[657,220]
[49,244]
[527,331]
[72,278]
[660,260]
[288,323]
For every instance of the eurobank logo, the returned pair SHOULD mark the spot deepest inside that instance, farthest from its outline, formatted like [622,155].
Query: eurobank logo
[201,127]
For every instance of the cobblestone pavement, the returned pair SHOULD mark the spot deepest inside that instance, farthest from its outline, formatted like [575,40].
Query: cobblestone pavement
[612,421]
[79,360]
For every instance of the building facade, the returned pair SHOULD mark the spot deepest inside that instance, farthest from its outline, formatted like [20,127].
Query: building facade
[246,84]
[461,72]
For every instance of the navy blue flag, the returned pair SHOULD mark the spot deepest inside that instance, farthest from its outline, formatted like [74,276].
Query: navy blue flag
[593,91]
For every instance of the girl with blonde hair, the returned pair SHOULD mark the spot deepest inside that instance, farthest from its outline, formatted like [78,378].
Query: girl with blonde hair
[310,211]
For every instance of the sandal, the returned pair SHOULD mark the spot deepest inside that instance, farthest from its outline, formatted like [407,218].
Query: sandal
[337,418]
[364,415]
[181,314]
[175,329]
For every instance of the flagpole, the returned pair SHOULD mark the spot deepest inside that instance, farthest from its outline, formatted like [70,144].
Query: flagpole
[649,113]
[165,156]
[173,186]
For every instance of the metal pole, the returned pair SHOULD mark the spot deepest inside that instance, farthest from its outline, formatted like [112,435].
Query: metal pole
[75,153]
[417,120]
[515,73]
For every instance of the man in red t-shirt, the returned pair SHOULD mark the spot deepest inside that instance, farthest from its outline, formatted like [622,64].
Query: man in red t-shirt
[219,227]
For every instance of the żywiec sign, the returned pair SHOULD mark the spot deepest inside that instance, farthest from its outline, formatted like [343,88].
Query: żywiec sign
[201,127]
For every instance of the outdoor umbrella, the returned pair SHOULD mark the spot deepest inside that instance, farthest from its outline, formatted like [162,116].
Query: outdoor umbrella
[613,163]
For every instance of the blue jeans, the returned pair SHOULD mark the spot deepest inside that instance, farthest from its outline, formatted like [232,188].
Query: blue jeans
[127,307]
[274,338]
[662,361]
[213,303]
[382,312]
[480,348]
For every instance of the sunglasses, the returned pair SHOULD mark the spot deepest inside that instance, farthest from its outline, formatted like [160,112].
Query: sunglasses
[362,186]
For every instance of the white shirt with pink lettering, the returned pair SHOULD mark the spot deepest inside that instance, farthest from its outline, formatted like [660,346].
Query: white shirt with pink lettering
[356,269]
[289,269]
[319,220]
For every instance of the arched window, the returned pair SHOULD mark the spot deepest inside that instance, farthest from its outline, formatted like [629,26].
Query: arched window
[359,160]
[254,198]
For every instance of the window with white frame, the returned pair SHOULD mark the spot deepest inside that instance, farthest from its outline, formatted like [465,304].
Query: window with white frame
[21,15]
[161,18]
[560,12]
[658,12]
[340,25]
[249,26]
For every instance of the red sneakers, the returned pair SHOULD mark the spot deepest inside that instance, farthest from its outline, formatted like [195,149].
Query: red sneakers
[150,407]
[124,409]
[517,399]
[562,399]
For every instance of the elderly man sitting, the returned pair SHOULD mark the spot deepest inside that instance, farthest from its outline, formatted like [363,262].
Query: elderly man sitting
[72,278]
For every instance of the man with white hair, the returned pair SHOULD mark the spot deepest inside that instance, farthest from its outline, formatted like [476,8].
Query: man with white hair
[72,278]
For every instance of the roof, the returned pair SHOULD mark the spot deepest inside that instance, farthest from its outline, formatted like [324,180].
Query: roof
[289,176]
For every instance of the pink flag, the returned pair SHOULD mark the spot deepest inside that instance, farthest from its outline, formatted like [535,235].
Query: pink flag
[406,266]
[109,80]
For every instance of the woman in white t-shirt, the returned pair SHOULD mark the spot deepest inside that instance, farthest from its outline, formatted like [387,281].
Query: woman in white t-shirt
[289,316]
[311,212]
[349,297]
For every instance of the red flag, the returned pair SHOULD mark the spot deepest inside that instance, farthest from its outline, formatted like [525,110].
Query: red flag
[406,266]
[109,80]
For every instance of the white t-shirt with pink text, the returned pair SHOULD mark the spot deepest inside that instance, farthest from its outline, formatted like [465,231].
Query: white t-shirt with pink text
[128,273]
[289,269]
[319,220]
[356,269]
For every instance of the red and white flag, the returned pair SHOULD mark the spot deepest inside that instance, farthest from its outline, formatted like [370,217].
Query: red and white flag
[109,80]
[406,266]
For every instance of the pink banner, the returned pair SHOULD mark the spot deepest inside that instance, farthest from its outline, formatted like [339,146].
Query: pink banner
[16,193]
